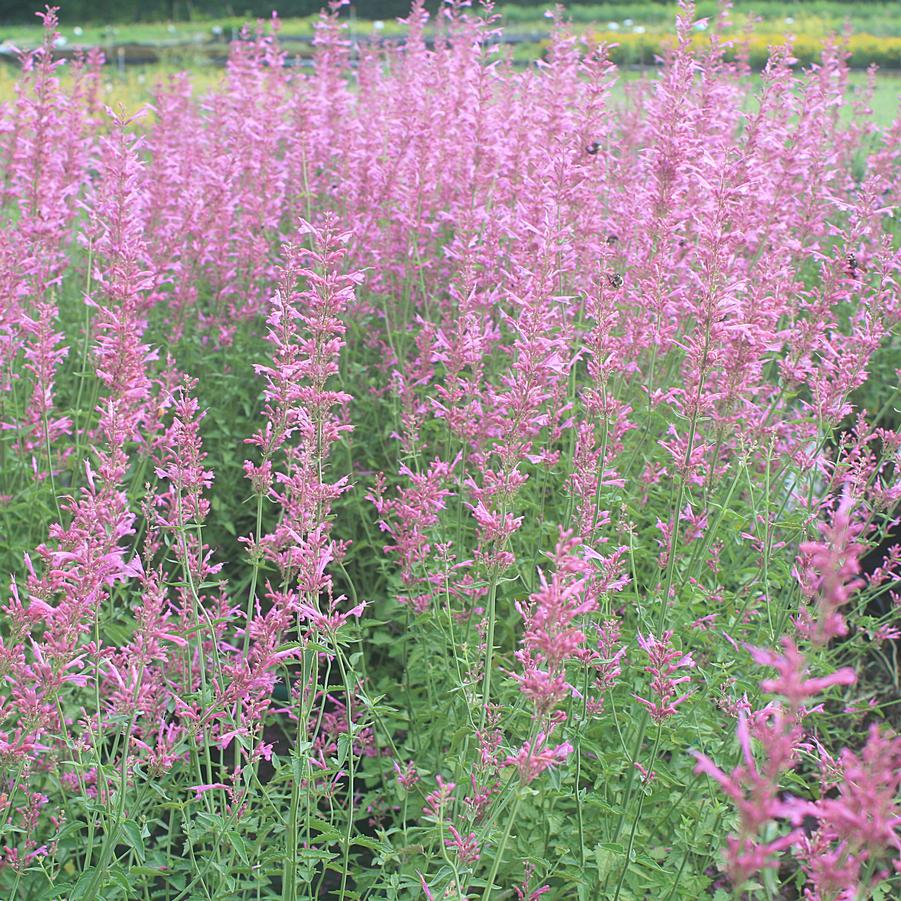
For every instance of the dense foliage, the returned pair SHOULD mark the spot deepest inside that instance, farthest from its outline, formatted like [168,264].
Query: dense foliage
[430,479]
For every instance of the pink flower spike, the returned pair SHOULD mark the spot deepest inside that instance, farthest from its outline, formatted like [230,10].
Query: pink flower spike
[664,663]
[201,789]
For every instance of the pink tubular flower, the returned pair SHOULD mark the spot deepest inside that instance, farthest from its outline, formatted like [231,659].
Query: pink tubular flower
[45,161]
[858,820]
[857,816]
[534,757]
[436,801]
[467,849]
[407,777]
[865,813]
[828,571]
[124,280]
[180,461]
[755,792]
[552,634]
[831,869]
[605,661]
[305,419]
[425,887]
[524,891]
[791,666]
[200,790]
[161,757]
[410,520]
[663,663]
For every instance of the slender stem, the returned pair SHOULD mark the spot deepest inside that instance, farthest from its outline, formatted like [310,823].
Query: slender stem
[628,798]
[489,651]
[499,854]
[631,845]
[350,766]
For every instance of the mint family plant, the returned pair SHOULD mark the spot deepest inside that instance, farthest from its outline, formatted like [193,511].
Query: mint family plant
[428,478]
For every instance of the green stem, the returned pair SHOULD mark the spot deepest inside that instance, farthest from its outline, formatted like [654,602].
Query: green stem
[350,766]
[499,856]
[489,651]
[631,845]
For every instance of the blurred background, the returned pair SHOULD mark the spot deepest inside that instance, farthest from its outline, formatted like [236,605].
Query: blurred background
[142,39]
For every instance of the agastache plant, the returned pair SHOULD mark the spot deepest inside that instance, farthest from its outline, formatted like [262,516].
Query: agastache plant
[424,475]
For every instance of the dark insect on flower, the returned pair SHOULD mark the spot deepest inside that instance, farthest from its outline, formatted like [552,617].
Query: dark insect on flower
[592,148]
[612,239]
[614,279]
[852,266]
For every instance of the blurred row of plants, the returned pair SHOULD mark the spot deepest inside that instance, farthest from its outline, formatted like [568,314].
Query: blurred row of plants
[131,88]
[817,17]
[638,32]
[874,16]
[91,22]
[646,49]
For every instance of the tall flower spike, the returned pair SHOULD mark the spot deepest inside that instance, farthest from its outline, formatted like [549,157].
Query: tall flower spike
[551,617]
[663,664]
[829,572]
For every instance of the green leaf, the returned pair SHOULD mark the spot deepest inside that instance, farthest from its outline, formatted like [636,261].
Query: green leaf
[343,749]
[240,845]
[606,855]
[83,886]
[131,835]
